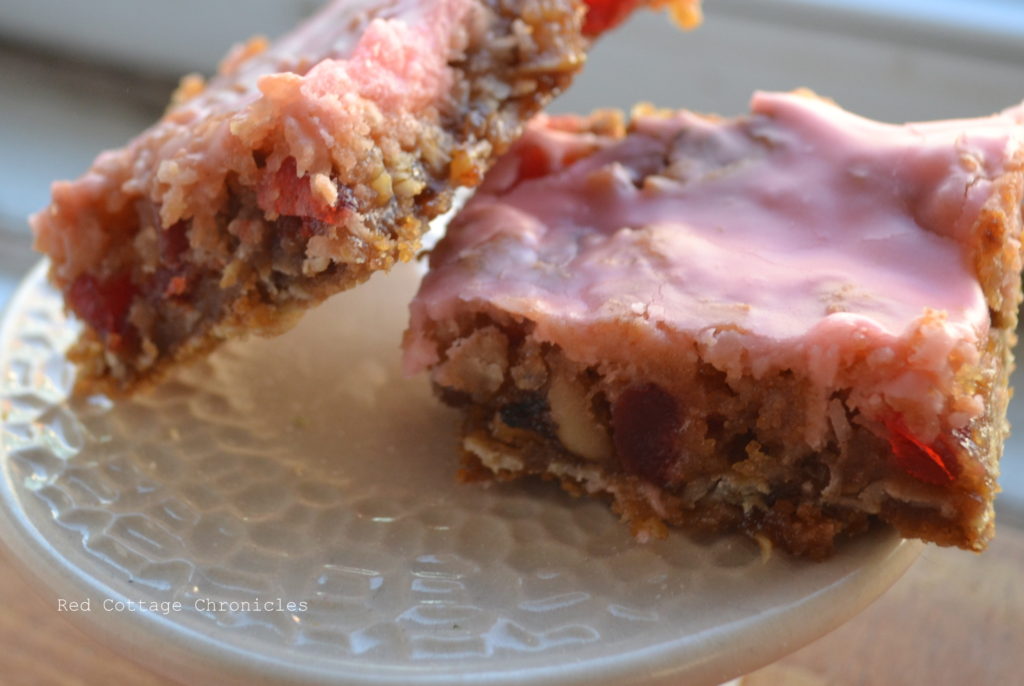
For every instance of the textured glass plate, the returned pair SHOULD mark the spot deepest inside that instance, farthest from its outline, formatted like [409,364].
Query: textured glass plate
[305,470]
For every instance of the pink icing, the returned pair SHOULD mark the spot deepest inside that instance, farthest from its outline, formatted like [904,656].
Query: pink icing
[801,237]
[365,40]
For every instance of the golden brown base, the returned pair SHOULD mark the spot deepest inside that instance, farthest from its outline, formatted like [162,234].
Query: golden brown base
[738,460]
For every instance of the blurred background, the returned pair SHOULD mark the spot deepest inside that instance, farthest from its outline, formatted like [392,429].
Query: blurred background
[79,77]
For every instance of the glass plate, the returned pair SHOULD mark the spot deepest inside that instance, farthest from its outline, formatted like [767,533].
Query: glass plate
[285,512]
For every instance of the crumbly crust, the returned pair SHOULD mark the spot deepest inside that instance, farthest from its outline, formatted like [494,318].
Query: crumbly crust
[744,463]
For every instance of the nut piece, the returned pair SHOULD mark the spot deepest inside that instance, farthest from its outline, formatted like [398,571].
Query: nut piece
[382,186]
[578,429]
[647,421]
[530,373]
[476,364]
[464,171]
[324,189]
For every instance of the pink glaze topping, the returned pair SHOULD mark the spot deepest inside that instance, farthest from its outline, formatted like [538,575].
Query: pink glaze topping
[800,237]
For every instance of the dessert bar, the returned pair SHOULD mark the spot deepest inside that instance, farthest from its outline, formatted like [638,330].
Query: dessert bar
[790,324]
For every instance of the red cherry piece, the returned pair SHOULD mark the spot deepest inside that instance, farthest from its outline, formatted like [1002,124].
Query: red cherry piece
[533,163]
[917,459]
[178,285]
[606,14]
[103,304]
[645,424]
[288,194]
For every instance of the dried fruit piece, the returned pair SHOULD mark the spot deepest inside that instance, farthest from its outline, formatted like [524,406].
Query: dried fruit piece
[104,305]
[530,413]
[533,163]
[174,243]
[288,194]
[645,423]
[606,14]
[917,459]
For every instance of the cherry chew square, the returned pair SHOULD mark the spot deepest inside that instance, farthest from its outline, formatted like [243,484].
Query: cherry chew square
[791,324]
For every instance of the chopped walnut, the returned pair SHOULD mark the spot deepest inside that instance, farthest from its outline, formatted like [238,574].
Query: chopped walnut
[475,365]
[578,429]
